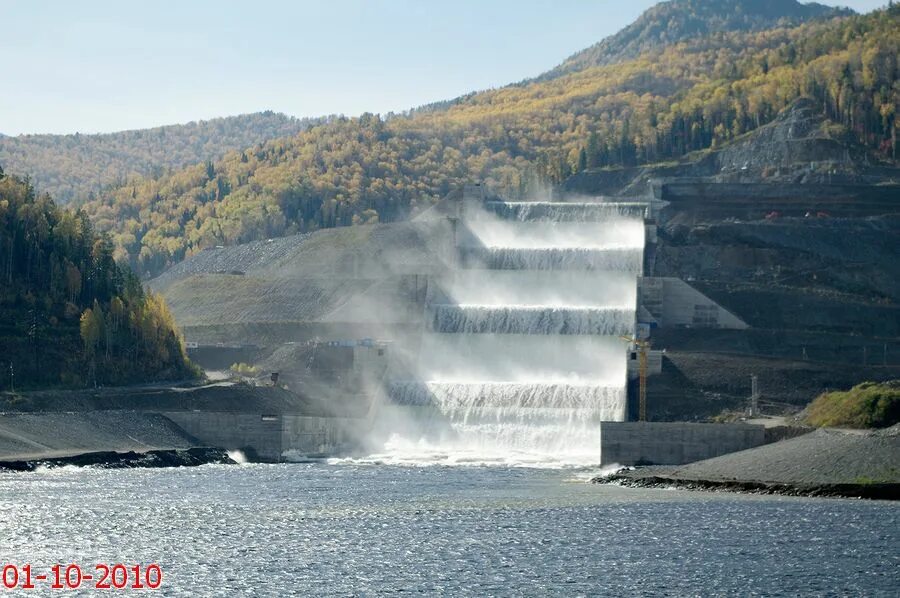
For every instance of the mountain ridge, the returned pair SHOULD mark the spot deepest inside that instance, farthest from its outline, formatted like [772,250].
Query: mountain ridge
[692,96]
[96,166]
[72,166]
[673,21]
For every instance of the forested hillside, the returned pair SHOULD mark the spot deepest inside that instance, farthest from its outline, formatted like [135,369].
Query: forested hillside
[79,166]
[667,102]
[69,315]
[679,20]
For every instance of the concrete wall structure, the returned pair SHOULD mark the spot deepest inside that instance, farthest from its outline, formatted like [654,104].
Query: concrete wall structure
[303,435]
[754,200]
[654,363]
[674,303]
[230,431]
[673,443]
[272,437]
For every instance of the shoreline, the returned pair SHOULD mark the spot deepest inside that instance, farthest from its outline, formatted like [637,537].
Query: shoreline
[828,462]
[156,458]
[868,491]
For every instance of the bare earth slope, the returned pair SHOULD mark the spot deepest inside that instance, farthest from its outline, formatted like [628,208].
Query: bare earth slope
[44,435]
[342,275]
[799,146]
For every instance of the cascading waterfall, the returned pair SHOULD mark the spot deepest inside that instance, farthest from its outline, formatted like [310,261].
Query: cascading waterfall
[552,258]
[481,319]
[521,356]
[565,212]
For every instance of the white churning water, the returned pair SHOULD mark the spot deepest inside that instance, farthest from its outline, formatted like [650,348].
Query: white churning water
[521,358]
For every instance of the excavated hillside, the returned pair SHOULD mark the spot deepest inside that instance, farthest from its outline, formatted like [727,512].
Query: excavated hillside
[799,147]
[798,137]
[300,287]
[792,230]
[821,296]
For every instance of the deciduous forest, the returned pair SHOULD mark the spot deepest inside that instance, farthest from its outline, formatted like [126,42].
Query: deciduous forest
[79,166]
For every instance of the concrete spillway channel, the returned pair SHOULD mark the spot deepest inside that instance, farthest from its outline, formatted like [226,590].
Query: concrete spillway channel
[521,352]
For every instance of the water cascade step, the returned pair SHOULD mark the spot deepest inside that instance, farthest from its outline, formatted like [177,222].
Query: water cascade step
[521,356]
[463,318]
[565,212]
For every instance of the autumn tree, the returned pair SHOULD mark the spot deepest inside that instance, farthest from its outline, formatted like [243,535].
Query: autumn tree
[64,301]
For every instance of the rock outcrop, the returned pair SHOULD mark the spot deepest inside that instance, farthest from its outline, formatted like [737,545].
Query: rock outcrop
[191,457]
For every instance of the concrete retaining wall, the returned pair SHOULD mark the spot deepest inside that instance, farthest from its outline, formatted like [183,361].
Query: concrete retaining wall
[313,436]
[673,443]
[654,364]
[233,431]
[753,200]
[270,437]
[674,303]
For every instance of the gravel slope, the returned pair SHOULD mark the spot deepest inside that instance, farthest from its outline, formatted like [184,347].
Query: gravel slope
[826,456]
[46,435]
[827,461]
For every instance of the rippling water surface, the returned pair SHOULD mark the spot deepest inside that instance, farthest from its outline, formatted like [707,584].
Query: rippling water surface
[349,529]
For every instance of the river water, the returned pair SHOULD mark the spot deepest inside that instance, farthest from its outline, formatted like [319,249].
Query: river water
[351,529]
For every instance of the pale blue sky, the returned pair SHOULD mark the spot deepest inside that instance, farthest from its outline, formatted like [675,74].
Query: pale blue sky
[109,65]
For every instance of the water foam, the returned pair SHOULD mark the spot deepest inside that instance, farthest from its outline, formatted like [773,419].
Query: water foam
[463,318]
[521,358]
[553,258]
[551,211]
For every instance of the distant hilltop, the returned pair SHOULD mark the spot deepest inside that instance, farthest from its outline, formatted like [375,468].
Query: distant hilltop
[78,166]
[671,22]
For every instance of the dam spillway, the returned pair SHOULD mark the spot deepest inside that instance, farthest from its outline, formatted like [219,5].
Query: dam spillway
[596,211]
[520,356]
[530,319]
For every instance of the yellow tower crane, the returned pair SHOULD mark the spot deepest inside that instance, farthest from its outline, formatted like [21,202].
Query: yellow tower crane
[642,348]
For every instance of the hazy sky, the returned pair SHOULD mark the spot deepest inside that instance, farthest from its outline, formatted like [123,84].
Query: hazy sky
[108,65]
